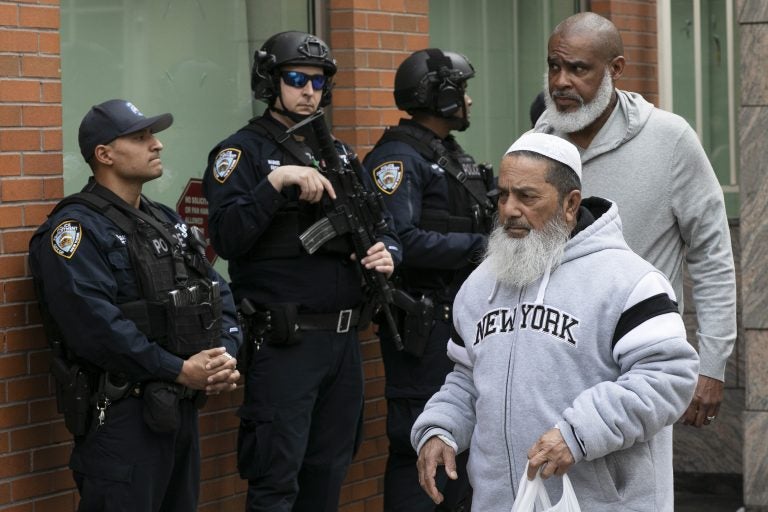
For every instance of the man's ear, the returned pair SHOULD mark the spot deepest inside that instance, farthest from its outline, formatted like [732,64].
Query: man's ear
[616,67]
[103,154]
[571,204]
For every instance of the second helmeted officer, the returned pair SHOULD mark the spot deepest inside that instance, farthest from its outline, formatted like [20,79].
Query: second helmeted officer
[437,194]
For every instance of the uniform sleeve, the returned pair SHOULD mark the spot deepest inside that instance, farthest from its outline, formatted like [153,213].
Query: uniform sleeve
[413,179]
[698,205]
[658,369]
[241,201]
[387,234]
[231,335]
[80,294]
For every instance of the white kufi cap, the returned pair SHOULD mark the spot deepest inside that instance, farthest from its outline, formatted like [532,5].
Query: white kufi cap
[550,146]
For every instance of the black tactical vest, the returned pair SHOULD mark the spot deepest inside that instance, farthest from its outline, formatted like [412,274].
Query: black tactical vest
[180,307]
[469,210]
[281,238]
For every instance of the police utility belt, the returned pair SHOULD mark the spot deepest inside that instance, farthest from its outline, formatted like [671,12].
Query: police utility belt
[282,324]
[186,323]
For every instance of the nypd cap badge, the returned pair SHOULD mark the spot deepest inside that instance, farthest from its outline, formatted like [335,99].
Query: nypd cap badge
[225,164]
[66,238]
[388,176]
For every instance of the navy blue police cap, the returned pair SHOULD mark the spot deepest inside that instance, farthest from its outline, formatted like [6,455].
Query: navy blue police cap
[112,119]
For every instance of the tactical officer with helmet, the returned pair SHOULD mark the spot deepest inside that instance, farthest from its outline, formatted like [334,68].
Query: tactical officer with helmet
[268,185]
[141,326]
[438,197]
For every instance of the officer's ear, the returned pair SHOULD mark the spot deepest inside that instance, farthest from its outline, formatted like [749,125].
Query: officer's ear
[103,154]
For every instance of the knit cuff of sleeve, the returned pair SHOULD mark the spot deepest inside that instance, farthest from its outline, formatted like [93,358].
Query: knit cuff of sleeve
[571,439]
[444,436]
[713,355]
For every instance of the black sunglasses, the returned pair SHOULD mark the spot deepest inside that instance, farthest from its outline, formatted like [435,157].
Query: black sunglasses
[299,79]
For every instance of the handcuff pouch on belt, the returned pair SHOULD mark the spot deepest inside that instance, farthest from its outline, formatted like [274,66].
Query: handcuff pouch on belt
[161,406]
[416,317]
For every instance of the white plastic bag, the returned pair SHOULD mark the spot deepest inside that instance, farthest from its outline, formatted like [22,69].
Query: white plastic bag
[532,496]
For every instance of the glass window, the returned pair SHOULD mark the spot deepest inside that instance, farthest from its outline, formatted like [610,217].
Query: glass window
[506,41]
[704,40]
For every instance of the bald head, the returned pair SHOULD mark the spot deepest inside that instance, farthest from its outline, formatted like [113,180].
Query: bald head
[600,31]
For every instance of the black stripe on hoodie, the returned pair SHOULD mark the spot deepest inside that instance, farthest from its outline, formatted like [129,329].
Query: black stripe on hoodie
[656,305]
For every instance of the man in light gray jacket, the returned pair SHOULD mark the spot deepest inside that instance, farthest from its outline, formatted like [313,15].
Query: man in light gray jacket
[651,164]
[570,352]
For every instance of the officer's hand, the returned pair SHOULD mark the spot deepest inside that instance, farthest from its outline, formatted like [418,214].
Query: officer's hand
[223,380]
[195,372]
[311,183]
[379,259]
[226,376]
[220,362]
[435,453]
[552,452]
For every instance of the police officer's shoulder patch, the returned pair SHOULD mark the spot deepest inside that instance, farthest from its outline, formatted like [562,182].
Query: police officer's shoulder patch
[66,238]
[388,176]
[225,163]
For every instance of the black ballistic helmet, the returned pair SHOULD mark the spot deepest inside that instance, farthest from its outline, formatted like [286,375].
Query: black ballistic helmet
[291,48]
[432,80]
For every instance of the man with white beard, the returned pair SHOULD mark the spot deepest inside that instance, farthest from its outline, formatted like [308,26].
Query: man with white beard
[650,162]
[569,351]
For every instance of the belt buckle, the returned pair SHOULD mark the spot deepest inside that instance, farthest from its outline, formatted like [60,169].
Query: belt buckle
[345,318]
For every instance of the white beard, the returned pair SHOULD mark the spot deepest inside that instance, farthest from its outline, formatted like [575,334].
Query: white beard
[517,262]
[586,114]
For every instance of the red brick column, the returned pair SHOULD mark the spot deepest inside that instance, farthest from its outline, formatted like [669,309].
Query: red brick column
[369,39]
[636,19]
[34,445]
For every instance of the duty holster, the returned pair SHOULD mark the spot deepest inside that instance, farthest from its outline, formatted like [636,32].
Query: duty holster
[75,388]
[277,324]
[416,317]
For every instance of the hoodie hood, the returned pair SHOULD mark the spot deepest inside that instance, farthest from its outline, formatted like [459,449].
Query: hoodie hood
[627,119]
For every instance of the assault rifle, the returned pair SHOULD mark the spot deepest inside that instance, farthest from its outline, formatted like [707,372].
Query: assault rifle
[355,211]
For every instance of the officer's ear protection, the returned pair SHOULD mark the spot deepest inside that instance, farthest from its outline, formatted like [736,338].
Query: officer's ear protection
[263,63]
[448,95]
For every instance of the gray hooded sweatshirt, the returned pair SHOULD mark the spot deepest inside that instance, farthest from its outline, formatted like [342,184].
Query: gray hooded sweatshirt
[596,348]
[651,163]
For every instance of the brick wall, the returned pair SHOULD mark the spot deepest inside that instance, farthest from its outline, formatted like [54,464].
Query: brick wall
[636,19]
[34,445]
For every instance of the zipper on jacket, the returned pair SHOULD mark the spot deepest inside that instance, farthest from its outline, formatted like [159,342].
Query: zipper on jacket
[507,404]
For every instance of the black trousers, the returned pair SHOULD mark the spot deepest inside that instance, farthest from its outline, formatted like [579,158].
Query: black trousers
[300,422]
[123,466]
[402,491]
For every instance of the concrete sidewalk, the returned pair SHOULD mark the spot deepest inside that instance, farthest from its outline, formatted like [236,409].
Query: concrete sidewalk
[708,493]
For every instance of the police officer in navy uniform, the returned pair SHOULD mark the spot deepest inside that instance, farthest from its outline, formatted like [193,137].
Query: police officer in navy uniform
[438,197]
[142,327]
[304,383]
